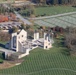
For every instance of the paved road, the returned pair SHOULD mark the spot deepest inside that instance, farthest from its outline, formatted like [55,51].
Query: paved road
[21,18]
[6,50]
[53,16]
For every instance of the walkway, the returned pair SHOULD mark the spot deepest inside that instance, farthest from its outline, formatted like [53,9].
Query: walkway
[6,50]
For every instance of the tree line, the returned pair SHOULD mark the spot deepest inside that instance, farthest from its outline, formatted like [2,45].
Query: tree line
[56,1]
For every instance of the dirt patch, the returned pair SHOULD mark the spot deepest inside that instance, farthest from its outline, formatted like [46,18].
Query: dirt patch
[9,64]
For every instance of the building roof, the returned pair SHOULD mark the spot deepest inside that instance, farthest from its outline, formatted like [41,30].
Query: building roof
[21,31]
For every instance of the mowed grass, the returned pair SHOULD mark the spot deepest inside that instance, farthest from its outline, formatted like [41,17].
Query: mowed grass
[45,62]
[53,10]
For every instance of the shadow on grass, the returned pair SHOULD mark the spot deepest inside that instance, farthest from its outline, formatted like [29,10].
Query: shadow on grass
[74,6]
[2,45]
[59,44]
[62,44]
[65,52]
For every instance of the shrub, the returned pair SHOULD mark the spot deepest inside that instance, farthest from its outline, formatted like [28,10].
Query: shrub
[1,61]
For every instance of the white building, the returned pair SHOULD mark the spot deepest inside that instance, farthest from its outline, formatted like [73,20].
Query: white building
[36,36]
[47,41]
[18,40]
[21,44]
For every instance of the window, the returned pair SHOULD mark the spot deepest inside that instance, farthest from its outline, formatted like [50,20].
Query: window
[22,35]
[14,41]
[46,46]
[19,37]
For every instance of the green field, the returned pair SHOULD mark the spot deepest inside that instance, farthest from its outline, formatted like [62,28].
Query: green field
[55,61]
[53,10]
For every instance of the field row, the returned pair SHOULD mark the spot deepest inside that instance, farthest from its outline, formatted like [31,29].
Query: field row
[62,21]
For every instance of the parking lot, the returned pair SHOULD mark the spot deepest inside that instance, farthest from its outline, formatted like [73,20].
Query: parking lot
[8,25]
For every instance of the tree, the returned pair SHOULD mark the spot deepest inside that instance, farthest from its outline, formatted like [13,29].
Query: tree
[70,39]
[13,30]
[23,26]
[54,2]
[27,27]
[31,10]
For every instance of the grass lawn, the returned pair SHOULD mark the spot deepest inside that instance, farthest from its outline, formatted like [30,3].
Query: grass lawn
[53,10]
[1,60]
[45,62]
